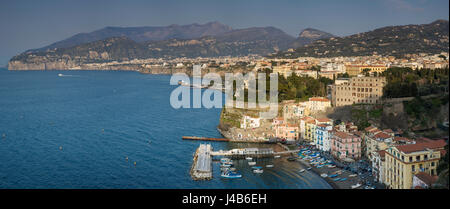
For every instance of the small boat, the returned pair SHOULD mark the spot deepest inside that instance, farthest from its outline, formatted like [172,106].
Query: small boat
[332,176]
[352,175]
[336,179]
[324,175]
[225,160]
[331,166]
[249,158]
[343,179]
[301,171]
[225,165]
[231,175]
[309,168]
[60,75]
[258,171]
[356,186]
[276,156]
[269,166]
[251,163]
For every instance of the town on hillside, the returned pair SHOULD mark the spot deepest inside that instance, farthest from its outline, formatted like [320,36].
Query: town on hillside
[363,117]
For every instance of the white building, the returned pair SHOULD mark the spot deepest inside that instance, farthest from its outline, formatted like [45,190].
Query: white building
[249,122]
[323,137]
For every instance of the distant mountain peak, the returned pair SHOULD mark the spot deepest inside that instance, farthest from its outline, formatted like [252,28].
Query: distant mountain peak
[314,34]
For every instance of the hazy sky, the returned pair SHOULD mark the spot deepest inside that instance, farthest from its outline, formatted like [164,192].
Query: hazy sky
[26,24]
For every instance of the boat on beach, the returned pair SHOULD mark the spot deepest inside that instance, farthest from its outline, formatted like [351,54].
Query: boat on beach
[353,175]
[301,171]
[276,156]
[256,167]
[251,163]
[324,175]
[356,186]
[269,166]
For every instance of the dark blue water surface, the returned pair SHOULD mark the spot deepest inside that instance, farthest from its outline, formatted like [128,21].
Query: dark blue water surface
[99,118]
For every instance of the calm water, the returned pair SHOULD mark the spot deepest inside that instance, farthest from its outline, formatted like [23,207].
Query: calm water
[99,119]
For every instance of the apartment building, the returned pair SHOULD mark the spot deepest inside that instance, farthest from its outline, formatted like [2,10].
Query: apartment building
[404,161]
[345,145]
[358,90]
[354,70]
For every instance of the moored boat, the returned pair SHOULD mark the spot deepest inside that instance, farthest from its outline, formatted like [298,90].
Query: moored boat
[324,175]
[252,163]
[231,175]
[258,171]
[249,158]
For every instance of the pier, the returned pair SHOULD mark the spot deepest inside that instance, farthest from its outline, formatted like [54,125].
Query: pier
[201,168]
[204,139]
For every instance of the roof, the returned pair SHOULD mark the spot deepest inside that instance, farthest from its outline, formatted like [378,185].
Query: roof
[388,131]
[370,128]
[426,178]
[344,135]
[398,138]
[319,99]
[382,135]
[323,120]
[410,148]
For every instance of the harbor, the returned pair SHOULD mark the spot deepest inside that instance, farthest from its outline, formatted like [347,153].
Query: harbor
[201,168]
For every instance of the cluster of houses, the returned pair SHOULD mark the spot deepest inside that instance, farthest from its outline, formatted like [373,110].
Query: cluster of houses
[396,161]
[400,162]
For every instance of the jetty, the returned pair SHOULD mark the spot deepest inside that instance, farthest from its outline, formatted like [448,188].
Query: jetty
[201,167]
[204,139]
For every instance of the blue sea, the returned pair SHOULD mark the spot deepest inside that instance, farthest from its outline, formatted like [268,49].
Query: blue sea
[77,131]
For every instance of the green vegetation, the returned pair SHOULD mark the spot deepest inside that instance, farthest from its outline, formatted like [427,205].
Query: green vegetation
[405,82]
[424,109]
[301,88]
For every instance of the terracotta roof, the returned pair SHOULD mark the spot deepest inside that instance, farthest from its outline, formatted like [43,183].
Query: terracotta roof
[388,130]
[382,135]
[423,140]
[409,148]
[426,178]
[344,135]
[319,99]
[398,138]
[370,128]
[307,118]
[322,125]
[292,125]
[323,120]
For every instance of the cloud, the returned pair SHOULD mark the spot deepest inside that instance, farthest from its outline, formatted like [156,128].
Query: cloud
[404,5]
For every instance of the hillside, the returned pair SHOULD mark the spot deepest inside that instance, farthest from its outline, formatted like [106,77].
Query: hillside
[392,40]
[142,34]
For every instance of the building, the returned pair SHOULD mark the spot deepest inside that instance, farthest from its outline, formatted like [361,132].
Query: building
[405,161]
[287,131]
[294,111]
[354,70]
[358,90]
[303,122]
[249,122]
[317,104]
[323,137]
[345,145]
[378,163]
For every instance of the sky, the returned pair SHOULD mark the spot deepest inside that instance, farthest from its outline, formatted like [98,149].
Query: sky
[28,24]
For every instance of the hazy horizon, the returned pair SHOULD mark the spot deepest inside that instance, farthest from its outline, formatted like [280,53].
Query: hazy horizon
[31,24]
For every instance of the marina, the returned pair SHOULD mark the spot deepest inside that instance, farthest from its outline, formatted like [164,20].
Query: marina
[202,162]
